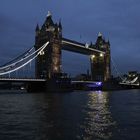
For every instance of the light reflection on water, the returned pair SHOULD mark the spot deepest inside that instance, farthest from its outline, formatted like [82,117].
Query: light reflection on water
[80,115]
[70,116]
[98,121]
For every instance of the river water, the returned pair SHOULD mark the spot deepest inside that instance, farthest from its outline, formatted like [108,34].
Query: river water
[80,115]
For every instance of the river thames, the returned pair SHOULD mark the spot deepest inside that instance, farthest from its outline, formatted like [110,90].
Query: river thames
[79,115]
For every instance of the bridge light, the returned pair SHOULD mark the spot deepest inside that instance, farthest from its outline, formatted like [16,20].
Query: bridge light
[101,55]
[55,68]
[92,56]
[86,45]
[42,53]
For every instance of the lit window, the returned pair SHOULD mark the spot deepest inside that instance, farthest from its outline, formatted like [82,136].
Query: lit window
[55,68]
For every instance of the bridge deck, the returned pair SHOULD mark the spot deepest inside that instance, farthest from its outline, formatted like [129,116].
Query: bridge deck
[21,80]
[38,80]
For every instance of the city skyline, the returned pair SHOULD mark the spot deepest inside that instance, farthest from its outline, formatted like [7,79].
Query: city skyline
[81,21]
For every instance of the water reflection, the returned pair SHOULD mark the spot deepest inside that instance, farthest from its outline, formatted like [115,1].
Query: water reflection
[98,122]
[69,116]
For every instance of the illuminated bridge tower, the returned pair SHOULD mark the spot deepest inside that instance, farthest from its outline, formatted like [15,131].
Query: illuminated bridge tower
[100,63]
[49,62]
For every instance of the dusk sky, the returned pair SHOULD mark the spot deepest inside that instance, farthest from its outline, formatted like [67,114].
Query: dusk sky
[117,20]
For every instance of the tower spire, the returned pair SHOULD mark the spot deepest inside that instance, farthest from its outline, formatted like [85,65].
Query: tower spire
[49,14]
[108,42]
[37,27]
[60,25]
[99,34]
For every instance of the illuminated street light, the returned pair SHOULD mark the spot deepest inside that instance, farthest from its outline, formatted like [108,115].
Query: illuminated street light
[92,57]
[101,55]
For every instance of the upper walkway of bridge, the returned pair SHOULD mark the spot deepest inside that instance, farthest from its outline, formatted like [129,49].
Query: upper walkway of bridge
[78,47]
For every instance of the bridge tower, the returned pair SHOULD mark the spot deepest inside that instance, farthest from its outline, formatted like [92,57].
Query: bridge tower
[49,61]
[100,63]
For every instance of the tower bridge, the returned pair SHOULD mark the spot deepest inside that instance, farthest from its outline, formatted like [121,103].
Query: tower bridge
[49,43]
[50,62]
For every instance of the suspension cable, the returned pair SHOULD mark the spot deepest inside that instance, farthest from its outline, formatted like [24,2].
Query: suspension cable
[24,54]
[21,66]
[117,71]
[22,59]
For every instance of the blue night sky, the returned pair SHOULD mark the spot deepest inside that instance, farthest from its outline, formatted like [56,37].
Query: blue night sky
[117,20]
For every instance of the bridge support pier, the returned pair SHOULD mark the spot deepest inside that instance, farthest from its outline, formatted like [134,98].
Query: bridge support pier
[33,87]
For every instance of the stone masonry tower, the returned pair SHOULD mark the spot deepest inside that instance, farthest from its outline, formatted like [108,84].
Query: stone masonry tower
[100,63]
[48,63]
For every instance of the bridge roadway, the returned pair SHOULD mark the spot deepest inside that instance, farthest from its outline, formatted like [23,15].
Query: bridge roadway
[37,85]
[77,47]
[21,80]
[40,80]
